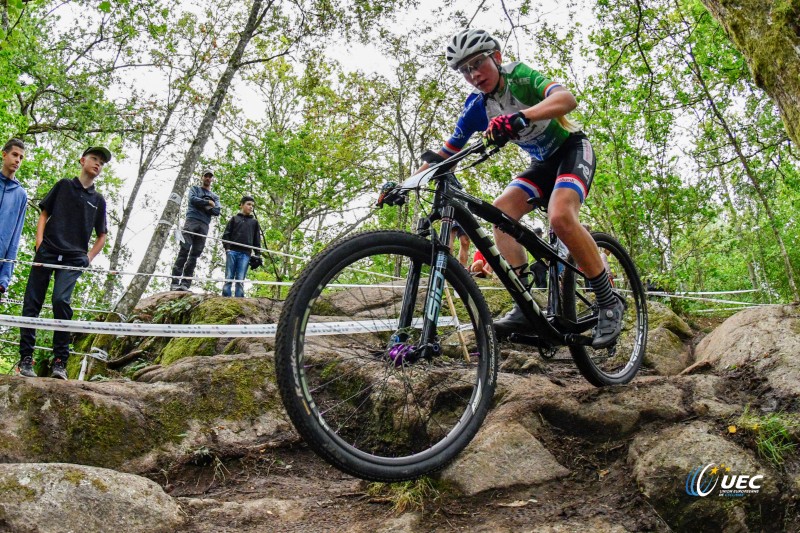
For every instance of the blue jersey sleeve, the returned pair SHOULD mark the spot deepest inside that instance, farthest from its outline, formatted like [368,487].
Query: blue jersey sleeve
[472,119]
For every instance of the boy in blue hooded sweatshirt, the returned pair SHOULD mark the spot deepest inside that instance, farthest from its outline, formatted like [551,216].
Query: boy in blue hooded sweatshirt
[13,202]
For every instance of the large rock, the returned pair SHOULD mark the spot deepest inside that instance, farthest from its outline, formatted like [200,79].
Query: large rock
[661,316]
[502,455]
[764,341]
[668,337]
[708,398]
[177,308]
[666,352]
[225,404]
[662,460]
[260,514]
[611,413]
[63,498]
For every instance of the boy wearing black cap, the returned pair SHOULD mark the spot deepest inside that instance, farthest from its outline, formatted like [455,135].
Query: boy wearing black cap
[239,240]
[203,204]
[70,211]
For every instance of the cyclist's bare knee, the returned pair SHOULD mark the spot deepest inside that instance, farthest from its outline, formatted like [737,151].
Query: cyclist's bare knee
[513,202]
[563,213]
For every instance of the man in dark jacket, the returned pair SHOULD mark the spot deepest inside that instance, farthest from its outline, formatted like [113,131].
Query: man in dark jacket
[240,239]
[203,204]
[71,211]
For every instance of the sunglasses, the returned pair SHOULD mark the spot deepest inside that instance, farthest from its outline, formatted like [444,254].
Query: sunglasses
[468,68]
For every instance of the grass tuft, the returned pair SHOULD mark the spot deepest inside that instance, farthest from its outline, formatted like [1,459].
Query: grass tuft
[775,434]
[407,495]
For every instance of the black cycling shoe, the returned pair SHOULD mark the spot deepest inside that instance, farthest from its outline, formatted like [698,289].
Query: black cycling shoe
[513,322]
[609,325]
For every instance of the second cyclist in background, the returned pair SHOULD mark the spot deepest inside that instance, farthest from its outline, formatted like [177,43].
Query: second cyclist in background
[559,177]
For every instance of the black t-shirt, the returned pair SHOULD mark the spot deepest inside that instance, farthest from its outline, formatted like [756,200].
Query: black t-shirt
[72,214]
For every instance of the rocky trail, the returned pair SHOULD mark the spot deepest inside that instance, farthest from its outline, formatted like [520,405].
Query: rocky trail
[190,435]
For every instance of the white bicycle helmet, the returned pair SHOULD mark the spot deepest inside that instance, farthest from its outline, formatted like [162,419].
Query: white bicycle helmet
[466,43]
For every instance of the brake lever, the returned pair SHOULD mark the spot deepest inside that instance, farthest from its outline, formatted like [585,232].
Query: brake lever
[486,155]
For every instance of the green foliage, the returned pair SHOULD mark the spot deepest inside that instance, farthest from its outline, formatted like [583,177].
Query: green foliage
[175,311]
[695,173]
[776,435]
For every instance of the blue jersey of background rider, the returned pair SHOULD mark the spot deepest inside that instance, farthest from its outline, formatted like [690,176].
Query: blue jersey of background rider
[523,88]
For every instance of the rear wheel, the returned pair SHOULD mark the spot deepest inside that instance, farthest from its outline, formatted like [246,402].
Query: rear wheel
[360,390]
[620,363]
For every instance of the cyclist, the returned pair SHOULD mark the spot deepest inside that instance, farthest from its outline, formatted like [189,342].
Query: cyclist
[561,170]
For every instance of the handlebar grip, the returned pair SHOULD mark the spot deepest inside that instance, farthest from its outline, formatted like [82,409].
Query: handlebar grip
[519,122]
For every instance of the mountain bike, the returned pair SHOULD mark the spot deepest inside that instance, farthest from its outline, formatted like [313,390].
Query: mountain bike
[386,356]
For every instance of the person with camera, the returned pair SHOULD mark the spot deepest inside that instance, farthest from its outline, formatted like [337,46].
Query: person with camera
[203,204]
[240,241]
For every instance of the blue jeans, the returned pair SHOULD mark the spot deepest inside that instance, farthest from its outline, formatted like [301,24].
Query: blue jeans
[236,265]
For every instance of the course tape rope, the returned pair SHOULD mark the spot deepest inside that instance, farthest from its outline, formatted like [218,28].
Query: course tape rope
[209,330]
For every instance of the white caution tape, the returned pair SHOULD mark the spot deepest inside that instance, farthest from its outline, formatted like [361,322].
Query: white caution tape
[700,299]
[96,353]
[207,330]
[84,309]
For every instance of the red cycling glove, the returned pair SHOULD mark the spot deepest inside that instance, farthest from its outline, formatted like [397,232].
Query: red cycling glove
[504,128]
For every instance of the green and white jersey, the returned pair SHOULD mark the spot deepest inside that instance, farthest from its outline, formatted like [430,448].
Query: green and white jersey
[523,87]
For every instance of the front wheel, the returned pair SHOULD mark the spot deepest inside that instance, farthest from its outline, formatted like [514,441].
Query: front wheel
[370,397]
[620,363]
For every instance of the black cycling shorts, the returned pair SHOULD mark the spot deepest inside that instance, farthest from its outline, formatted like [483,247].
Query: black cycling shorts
[571,167]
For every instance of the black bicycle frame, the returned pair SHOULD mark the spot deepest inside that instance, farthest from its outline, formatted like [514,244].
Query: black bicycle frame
[453,204]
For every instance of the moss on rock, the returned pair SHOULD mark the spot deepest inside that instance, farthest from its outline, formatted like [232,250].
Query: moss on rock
[73,476]
[659,315]
[221,310]
[79,429]
[179,348]
[235,391]
[12,491]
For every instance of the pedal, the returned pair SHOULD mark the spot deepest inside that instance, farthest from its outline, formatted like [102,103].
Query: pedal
[528,340]
[578,340]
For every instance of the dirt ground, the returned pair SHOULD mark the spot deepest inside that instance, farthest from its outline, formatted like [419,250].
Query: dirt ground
[291,489]
[598,491]
[597,495]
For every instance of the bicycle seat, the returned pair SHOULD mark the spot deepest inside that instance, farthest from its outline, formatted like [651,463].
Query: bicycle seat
[538,203]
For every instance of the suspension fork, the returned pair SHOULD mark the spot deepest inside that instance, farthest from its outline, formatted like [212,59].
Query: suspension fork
[435,292]
[436,281]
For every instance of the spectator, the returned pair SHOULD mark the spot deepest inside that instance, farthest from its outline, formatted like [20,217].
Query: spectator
[203,204]
[70,211]
[539,268]
[463,239]
[13,203]
[241,236]
[479,267]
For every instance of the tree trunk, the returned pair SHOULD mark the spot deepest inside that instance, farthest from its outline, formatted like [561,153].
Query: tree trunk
[168,216]
[751,175]
[144,167]
[4,15]
[767,33]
